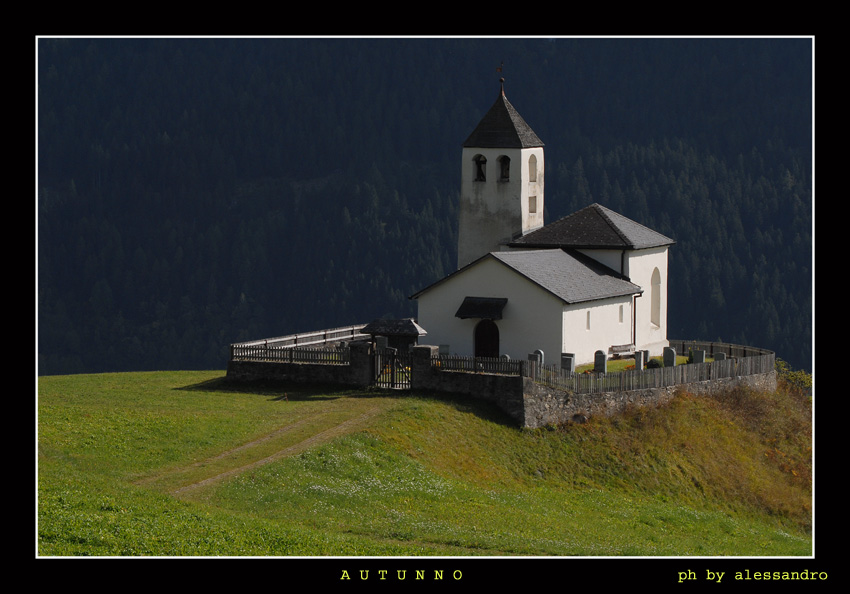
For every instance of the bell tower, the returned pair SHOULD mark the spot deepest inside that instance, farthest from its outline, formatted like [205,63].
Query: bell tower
[501,196]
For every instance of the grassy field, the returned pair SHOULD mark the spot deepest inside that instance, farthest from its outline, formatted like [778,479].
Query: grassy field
[180,463]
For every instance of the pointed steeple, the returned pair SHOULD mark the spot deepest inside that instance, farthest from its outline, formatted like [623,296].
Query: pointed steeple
[503,127]
[501,196]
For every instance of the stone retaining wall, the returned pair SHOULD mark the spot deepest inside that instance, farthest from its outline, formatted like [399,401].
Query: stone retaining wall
[545,406]
[505,391]
[533,405]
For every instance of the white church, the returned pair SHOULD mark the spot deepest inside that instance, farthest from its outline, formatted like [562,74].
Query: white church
[594,280]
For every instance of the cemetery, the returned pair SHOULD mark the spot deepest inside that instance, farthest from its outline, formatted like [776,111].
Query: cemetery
[532,391]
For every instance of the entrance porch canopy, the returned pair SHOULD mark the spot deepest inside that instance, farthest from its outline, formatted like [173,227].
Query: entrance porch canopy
[486,308]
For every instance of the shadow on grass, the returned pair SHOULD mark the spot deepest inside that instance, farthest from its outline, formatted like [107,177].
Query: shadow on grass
[283,390]
[286,391]
[483,409]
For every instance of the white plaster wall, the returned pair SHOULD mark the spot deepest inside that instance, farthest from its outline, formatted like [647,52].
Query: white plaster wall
[639,268]
[532,221]
[613,259]
[493,211]
[530,320]
[606,328]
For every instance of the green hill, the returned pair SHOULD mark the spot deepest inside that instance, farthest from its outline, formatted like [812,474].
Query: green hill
[181,463]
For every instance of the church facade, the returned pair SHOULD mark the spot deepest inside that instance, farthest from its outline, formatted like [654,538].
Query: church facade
[593,280]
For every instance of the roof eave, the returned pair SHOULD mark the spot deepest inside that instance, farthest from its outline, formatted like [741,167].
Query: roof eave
[579,246]
[639,291]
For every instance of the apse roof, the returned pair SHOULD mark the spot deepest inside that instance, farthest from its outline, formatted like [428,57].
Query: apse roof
[594,226]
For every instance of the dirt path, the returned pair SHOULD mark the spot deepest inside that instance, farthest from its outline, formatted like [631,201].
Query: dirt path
[322,437]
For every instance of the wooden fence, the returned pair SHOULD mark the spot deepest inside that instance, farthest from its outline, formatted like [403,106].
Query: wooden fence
[638,379]
[740,361]
[317,338]
[479,364]
[713,348]
[278,354]
[319,347]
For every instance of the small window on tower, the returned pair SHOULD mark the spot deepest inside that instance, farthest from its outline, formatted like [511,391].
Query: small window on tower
[532,204]
[504,168]
[480,168]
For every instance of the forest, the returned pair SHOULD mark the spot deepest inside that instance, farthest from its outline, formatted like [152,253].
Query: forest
[195,192]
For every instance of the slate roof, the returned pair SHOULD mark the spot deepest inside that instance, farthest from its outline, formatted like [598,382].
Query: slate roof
[502,127]
[569,275]
[384,327]
[593,227]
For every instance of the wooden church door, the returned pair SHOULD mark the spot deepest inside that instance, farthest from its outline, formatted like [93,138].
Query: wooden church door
[486,339]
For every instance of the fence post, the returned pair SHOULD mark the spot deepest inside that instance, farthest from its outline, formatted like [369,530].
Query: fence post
[535,359]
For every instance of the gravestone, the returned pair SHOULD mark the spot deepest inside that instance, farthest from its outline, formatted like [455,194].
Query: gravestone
[600,362]
[540,353]
[669,357]
[719,356]
[698,356]
[568,362]
[639,360]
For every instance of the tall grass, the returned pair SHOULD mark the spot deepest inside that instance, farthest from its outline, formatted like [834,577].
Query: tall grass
[421,475]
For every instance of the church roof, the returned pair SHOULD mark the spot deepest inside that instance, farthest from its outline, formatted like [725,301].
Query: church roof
[593,227]
[502,127]
[568,275]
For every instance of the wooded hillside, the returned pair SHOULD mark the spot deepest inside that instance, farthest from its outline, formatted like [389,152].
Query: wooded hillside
[198,192]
